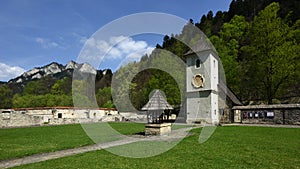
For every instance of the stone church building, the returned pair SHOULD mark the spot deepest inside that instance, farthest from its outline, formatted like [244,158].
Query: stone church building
[209,100]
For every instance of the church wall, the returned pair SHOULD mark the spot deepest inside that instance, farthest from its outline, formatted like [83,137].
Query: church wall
[198,107]
[201,87]
[203,70]
[214,108]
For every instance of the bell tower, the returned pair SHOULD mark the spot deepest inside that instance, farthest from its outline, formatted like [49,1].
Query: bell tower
[202,86]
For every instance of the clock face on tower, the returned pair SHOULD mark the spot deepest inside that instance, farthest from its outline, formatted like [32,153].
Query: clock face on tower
[198,81]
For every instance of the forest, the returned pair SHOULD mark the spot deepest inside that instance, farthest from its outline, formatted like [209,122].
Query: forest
[259,50]
[258,42]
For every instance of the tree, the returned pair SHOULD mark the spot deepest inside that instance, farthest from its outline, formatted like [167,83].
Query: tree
[104,96]
[121,85]
[228,45]
[210,15]
[272,56]
[83,93]
[20,102]
[58,100]
[39,87]
[62,86]
[5,97]
[108,104]
[29,101]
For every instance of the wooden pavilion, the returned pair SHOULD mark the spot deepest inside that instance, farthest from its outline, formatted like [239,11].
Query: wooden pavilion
[155,108]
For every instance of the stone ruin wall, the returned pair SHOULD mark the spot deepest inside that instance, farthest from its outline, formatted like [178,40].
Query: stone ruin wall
[43,117]
[38,117]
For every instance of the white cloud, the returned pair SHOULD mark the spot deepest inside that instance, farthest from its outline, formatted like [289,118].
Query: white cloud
[118,47]
[137,55]
[117,39]
[128,45]
[8,72]
[46,43]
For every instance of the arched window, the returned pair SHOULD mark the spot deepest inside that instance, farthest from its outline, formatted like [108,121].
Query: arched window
[198,63]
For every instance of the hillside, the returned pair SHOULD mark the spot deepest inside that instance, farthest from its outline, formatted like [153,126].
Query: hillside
[52,81]
[258,42]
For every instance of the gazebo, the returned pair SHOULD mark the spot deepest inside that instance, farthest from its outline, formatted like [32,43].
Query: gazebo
[155,112]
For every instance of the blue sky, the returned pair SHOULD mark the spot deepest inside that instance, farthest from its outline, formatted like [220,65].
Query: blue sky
[34,33]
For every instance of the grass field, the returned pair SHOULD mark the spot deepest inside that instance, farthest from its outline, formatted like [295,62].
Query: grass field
[229,147]
[19,142]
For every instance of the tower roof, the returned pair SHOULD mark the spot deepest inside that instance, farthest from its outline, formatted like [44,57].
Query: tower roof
[157,102]
[201,45]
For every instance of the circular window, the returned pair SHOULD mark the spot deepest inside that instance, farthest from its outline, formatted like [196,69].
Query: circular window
[198,81]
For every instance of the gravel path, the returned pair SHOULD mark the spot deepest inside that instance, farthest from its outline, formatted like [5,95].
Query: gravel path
[176,134]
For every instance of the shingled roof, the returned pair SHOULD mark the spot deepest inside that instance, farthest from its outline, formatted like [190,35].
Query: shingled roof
[223,87]
[273,106]
[157,102]
[201,45]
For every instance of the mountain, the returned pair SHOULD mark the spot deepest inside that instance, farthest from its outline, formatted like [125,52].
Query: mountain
[55,71]
[52,69]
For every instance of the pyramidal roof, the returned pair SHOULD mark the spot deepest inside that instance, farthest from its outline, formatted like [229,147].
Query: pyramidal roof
[201,45]
[157,102]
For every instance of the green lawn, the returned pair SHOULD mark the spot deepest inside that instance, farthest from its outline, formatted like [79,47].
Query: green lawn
[229,147]
[18,142]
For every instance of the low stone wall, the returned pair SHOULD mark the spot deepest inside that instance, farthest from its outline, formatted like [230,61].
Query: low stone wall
[19,119]
[269,114]
[225,116]
[61,121]
[53,116]
[130,116]
[293,117]
[60,116]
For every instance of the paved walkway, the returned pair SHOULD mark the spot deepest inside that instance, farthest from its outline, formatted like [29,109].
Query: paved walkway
[175,135]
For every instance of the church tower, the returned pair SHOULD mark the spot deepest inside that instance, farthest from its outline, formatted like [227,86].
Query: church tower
[202,85]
